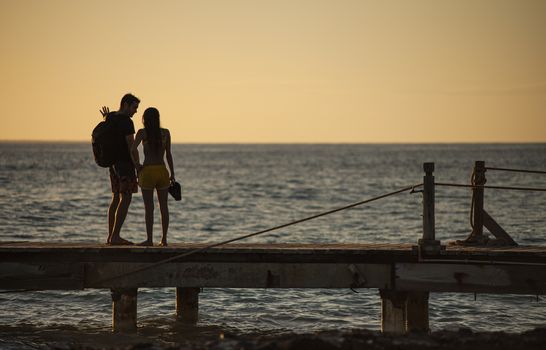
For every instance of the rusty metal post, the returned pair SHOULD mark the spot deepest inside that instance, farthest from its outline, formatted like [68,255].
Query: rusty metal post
[428,242]
[187,304]
[124,310]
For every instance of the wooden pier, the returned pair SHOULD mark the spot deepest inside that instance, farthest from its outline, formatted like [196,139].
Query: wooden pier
[404,274]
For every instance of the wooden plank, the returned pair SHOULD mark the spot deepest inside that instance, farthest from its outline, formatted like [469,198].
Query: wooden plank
[238,275]
[15,275]
[498,279]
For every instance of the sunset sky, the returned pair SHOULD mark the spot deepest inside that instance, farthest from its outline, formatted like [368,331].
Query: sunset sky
[345,71]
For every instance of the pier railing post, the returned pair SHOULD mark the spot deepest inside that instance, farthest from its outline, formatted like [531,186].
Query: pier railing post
[480,219]
[429,243]
[124,310]
[187,304]
[478,179]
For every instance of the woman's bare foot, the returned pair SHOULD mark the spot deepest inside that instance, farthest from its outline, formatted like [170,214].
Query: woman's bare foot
[163,243]
[120,241]
[146,243]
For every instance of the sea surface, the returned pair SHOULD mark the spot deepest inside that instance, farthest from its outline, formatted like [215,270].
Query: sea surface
[54,192]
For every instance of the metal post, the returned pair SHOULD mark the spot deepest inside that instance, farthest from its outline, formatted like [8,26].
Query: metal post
[428,242]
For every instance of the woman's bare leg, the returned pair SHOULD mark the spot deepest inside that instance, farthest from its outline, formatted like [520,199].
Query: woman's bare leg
[148,198]
[163,196]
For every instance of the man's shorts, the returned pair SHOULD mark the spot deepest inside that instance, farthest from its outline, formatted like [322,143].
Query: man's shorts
[123,178]
[154,177]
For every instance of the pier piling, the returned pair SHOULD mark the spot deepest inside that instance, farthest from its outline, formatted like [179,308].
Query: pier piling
[187,304]
[124,310]
[417,312]
[393,311]
[403,312]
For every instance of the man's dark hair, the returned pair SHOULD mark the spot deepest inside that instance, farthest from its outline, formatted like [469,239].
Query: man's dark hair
[129,99]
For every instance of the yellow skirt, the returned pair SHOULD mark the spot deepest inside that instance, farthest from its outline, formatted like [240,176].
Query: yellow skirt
[154,177]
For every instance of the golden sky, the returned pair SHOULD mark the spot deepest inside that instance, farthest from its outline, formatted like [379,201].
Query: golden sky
[336,71]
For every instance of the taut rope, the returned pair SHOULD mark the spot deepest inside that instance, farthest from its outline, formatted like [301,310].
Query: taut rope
[517,170]
[197,250]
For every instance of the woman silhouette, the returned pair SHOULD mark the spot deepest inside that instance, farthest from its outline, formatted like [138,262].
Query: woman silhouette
[153,174]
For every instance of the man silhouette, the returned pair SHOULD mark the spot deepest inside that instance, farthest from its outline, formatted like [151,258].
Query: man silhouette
[123,178]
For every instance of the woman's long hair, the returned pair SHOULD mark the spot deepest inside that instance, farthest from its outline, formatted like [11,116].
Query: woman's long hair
[150,119]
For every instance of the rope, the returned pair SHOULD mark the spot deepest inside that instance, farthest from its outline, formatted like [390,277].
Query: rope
[534,189]
[518,170]
[197,250]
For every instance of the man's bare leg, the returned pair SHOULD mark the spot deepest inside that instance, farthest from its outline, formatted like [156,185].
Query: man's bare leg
[121,214]
[112,215]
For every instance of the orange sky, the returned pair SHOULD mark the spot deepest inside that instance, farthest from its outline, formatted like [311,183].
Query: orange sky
[279,71]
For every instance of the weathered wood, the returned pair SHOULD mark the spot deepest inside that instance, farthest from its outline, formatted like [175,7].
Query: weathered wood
[238,275]
[428,243]
[249,253]
[471,278]
[393,311]
[187,304]
[64,253]
[403,312]
[429,230]
[497,230]
[124,310]
[417,312]
[477,197]
[21,275]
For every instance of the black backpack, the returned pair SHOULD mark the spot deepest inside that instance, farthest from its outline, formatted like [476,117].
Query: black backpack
[105,142]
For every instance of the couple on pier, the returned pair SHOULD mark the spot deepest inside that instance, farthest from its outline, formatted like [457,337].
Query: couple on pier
[127,173]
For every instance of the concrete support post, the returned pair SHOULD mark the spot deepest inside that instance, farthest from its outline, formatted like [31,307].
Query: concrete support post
[187,304]
[124,310]
[417,312]
[393,311]
[403,312]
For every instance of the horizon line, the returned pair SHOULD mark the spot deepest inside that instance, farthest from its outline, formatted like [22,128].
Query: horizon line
[299,143]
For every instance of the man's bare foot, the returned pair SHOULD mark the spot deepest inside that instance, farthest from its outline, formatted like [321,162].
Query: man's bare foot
[163,243]
[120,241]
[146,243]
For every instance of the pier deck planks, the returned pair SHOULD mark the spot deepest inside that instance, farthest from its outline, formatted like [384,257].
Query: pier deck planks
[37,265]
[304,252]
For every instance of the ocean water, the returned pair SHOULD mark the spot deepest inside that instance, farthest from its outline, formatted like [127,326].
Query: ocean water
[54,192]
